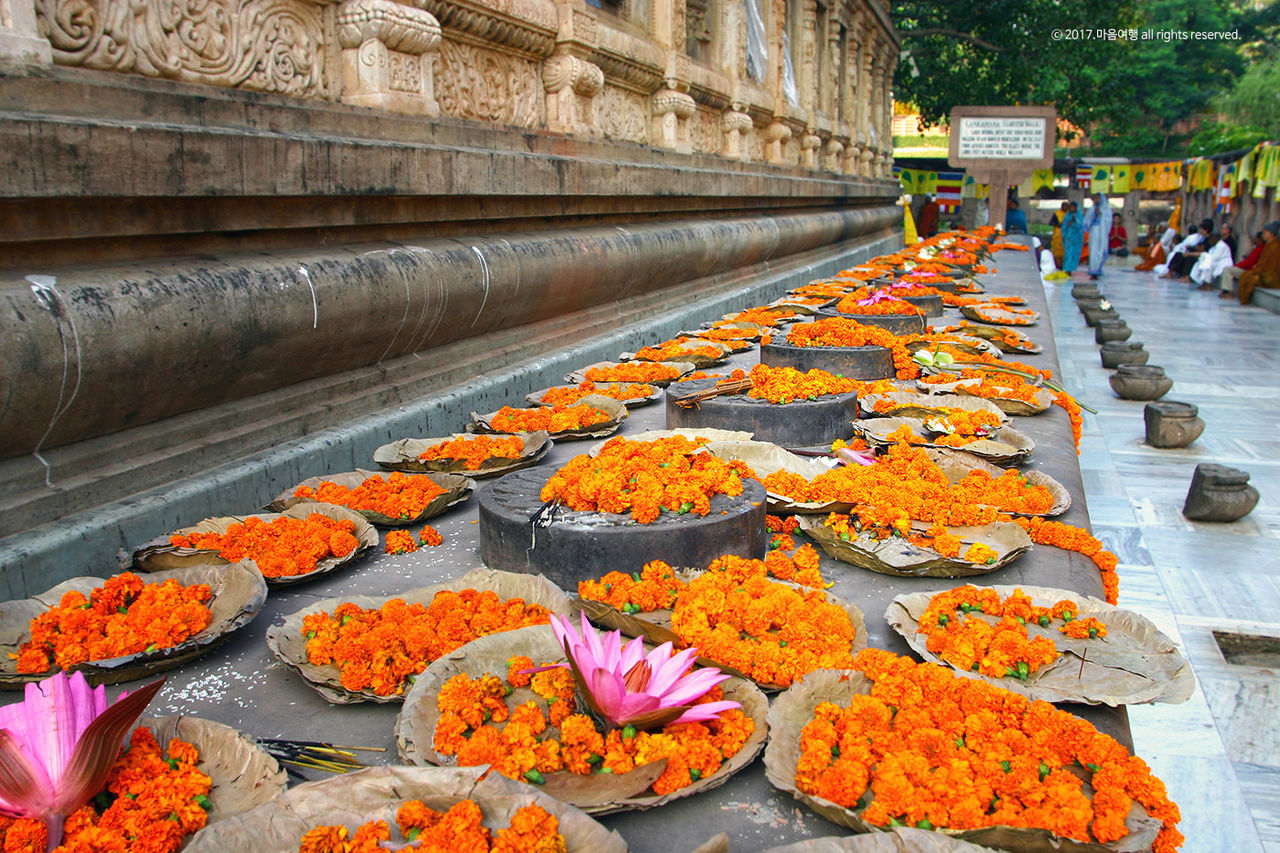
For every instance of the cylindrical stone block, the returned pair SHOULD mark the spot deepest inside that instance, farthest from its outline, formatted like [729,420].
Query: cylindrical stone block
[1172,424]
[1140,382]
[1092,316]
[1116,353]
[1219,493]
[899,324]
[864,363]
[577,546]
[800,423]
[1111,330]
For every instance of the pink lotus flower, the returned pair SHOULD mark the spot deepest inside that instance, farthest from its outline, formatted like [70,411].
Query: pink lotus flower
[626,687]
[848,456]
[878,296]
[57,746]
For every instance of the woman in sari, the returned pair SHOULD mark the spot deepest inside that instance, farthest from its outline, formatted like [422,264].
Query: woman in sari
[1072,238]
[1055,244]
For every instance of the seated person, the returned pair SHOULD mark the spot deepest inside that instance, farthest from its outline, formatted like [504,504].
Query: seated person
[1117,240]
[1266,272]
[1158,250]
[1186,253]
[1231,273]
[1213,261]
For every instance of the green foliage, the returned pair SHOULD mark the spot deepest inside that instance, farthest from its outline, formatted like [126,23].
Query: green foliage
[1254,101]
[921,142]
[1213,137]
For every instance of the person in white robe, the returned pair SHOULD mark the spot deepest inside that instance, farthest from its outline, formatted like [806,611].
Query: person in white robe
[1212,263]
[1098,224]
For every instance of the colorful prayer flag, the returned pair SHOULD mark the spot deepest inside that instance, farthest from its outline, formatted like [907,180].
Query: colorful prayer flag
[1084,177]
[948,190]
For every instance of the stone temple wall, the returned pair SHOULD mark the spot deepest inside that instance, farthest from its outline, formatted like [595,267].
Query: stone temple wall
[227,226]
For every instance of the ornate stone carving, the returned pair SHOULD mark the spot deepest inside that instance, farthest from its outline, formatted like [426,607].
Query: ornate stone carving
[671,113]
[382,44]
[704,132]
[833,155]
[527,27]
[736,127]
[480,84]
[809,145]
[571,83]
[777,135]
[622,114]
[267,45]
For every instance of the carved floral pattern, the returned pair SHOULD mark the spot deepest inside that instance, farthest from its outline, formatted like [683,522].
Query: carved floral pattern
[621,114]
[480,84]
[705,132]
[267,45]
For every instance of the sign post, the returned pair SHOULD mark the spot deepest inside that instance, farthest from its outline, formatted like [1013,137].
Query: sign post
[1002,146]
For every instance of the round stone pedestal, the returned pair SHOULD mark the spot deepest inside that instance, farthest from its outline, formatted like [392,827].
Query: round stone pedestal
[931,305]
[1219,493]
[1085,291]
[800,423]
[1111,330]
[1140,382]
[1093,315]
[899,324]
[1116,353]
[578,546]
[864,363]
[1086,303]
[1172,424]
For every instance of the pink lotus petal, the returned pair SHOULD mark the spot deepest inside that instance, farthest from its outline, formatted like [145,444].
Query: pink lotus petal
[693,686]
[631,655]
[706,711]
[667,674]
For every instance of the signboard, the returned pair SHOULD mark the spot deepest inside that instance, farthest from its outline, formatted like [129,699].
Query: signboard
[999,138]
[1002,146]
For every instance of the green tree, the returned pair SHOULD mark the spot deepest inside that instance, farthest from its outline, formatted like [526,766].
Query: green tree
[1254,100]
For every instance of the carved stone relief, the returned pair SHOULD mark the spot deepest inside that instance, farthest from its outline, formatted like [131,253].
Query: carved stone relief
[705,133]
[526,26]
[489,86]
[266,45]
[621,114]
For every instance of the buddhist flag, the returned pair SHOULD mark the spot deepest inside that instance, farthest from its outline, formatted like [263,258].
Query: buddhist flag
[1084,177]
[1120,179]
[1042,179]
[1226,187]
[1101,179]
[948,190]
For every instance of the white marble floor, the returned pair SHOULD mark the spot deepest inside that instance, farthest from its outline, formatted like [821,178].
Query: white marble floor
[1219,754]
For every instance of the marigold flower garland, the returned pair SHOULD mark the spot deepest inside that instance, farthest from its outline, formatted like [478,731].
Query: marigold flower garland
[644,478]
[283,547]
[550,734]
[675,351]
[123,616]
[473,451]
[549,418]
[933,750]
[150,803]
[396,496]
[1003,649]
[461,828]
[841,332]
[378,649]
[1059,535]
[568,395]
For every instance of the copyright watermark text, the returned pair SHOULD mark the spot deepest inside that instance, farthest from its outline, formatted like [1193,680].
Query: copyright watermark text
[1149,34]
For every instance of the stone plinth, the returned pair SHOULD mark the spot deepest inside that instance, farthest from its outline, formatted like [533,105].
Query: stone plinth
[1219,493]
[1172,424]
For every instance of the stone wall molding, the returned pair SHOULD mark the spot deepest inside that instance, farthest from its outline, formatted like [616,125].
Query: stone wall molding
[525,27]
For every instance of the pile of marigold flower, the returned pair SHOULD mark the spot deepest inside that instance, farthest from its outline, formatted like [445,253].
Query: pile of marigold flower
[403,542]
[1003,649]
[786,384]
[770,632]
[568,395]
[1022,316]
[396,495]
[933,750]
[150,803]
[644,478]
[868,522]
[880,307]
[474,450]
[123,616]
[549,418]
[534,742]
[532,830]
[641,371]
[283,547]
[379,648]
[841,332]
[677,351]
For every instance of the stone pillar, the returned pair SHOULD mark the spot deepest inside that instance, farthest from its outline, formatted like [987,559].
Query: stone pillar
[1131,217]
[777,135]
[736,125]
[385,56]
[569,79]
[810,145]
[21,45]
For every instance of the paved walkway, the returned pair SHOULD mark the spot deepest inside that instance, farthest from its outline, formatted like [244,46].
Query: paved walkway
[1219,754]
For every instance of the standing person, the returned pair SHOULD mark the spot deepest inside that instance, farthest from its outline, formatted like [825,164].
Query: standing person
[1072,238]
[1015,221]
[928,224]
[1266,272]
[1098,224]
[1055,243]
[1231,273]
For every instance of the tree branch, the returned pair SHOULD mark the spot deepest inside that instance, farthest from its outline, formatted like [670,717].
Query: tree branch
[956,34]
